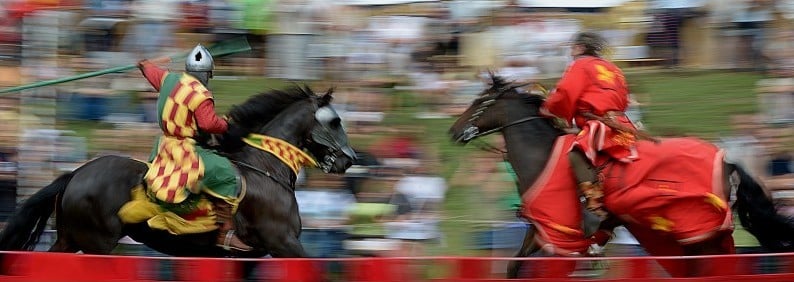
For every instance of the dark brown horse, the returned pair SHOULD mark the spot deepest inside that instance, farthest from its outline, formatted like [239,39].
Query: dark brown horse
[530,140]
[88,199]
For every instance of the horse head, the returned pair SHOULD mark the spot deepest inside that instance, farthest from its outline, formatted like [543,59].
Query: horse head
[492,111]
[308,120]
[328,142]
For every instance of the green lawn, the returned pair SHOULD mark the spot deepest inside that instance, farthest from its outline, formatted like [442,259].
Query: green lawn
[694,103]
[684,102]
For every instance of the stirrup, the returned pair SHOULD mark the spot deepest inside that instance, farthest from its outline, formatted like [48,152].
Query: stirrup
[227,242]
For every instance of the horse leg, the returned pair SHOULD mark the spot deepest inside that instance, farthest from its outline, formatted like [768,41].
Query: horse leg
[527,248]
[62,246]
[720,244]
[99,237]
[93,242]
[288,247]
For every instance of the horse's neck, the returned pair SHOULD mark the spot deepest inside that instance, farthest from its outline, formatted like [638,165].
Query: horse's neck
[291,128]
[529,146]
[288,127]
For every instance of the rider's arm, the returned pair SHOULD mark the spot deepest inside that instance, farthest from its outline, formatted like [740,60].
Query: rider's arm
[207,120]
[152,73]
[562,102]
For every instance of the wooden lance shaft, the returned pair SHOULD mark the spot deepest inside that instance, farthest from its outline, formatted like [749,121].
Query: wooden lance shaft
[223,48]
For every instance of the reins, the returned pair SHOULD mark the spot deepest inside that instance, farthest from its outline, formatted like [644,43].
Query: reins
[282,183]
[485,146]
[487,132]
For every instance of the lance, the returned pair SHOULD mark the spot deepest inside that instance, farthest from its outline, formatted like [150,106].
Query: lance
[220,49]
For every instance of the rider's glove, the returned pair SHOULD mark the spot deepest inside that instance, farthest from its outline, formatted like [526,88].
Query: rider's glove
[233,138]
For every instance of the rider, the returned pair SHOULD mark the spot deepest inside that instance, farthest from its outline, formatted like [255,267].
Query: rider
[593,93]
[180,169]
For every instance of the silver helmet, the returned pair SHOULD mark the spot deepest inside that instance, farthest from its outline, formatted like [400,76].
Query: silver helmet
[199,60]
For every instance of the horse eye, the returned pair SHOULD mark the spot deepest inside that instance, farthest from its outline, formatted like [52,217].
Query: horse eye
[335,123]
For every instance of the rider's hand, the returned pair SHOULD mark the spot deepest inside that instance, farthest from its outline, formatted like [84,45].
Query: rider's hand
[233,138]
[546,113]
[141,63]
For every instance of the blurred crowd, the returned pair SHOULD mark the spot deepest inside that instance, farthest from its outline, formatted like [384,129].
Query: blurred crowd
[391,203]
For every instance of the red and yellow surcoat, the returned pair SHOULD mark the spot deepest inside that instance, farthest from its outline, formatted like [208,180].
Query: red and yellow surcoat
[184,107]
[594,85]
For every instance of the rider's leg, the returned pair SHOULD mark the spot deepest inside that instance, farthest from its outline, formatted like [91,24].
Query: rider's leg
[587,180]
[220,183]
[226,237]
[582,168]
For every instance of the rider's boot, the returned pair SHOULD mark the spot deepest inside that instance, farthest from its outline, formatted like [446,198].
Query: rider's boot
[226,237]
[594,194]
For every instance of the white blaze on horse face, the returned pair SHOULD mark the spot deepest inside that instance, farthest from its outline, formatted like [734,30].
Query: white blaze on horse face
[325,115]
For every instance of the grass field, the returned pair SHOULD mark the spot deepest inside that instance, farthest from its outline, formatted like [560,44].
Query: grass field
[695,103]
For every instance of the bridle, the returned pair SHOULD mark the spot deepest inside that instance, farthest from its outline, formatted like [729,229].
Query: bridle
[327,137]
[472,132]
[322,136]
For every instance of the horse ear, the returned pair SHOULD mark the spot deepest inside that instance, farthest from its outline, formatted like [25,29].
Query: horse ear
[492,77]
[326,98]
[307,89]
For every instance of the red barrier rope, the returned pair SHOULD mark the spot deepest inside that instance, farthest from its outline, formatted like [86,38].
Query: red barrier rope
[41,266]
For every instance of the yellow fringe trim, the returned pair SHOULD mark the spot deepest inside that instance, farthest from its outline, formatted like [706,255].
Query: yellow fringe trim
[140,209]
[292,156]
[716,202]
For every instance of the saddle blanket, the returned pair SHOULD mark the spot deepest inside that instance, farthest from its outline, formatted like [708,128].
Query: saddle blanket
[193,215]
[674,188]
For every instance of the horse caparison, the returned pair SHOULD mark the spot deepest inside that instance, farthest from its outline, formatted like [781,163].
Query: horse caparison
[530,141]
[88,199]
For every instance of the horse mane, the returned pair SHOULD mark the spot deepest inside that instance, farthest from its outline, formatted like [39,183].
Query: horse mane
[534,99]
[500,84]
[264,107]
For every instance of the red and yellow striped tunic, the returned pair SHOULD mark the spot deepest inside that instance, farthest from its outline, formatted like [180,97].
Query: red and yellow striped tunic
[184,107]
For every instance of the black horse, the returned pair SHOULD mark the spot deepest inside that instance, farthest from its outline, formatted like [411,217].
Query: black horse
[530,139]
[88,199]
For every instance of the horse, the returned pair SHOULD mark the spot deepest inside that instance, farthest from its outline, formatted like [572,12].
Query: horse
[534,148]
[87,200]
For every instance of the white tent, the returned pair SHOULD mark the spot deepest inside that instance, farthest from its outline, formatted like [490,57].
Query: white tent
[460,9]
[570,3]
[676,4]
[381,2]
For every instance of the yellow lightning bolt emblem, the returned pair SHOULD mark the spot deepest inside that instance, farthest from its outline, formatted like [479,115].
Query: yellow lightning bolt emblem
[661,223]
[605,74]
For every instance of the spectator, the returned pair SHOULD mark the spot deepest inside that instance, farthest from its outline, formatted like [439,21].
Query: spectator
[196,17]
[398,149]
[374,205]
[494,184]
[664,36]
[780,164]
[424,192]
[752,20]
[153,26]
[779,53]
[324,206]
[257,21]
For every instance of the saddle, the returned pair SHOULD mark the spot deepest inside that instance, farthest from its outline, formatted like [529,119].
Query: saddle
[195,214]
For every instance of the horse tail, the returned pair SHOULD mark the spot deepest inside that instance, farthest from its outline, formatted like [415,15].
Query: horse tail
[758,215]
[23,230]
